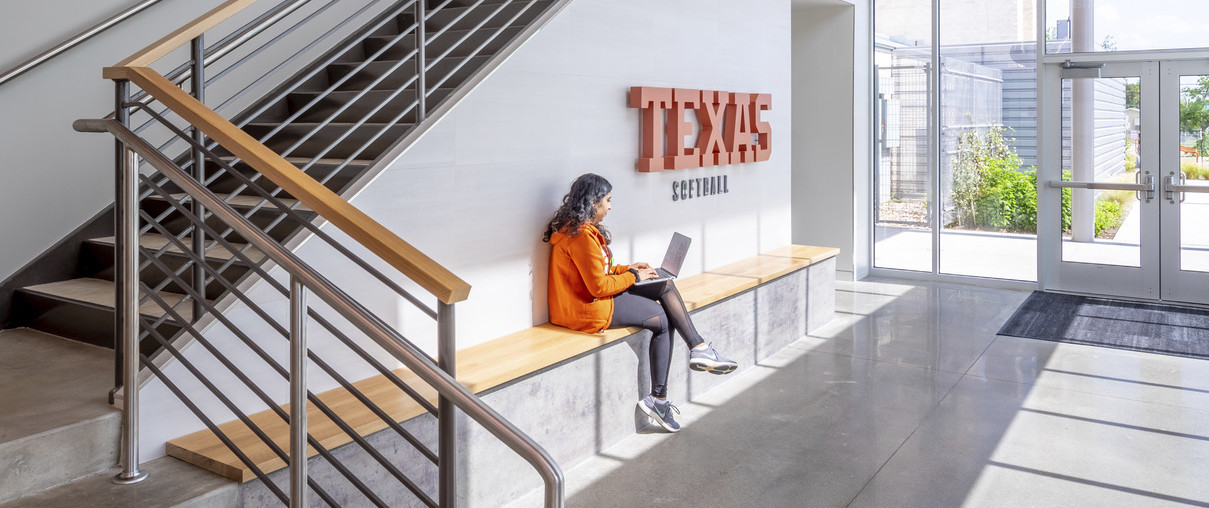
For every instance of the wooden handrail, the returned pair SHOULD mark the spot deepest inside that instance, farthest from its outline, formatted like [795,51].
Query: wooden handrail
[184,34]
[429,274]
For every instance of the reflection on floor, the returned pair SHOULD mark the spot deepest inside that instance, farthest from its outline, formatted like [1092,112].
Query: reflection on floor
[908,398]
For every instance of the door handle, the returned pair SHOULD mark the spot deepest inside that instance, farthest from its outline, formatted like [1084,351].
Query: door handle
[1144,184]
[1170,187]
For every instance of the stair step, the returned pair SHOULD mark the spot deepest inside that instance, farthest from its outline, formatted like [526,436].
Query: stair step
[100,293]
[169,483]
[97,261]
[155,242]
[56,424]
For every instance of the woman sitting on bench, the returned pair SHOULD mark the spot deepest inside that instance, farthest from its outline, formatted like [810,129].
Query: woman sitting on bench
[587,292]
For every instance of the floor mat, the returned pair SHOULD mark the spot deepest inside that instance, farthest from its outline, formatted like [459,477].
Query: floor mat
[1152,327]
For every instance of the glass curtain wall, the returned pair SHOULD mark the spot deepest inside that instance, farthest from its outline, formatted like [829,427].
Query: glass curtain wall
[957,167]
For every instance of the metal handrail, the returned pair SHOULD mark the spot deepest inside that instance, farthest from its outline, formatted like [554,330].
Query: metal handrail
[74,41]
[304,276]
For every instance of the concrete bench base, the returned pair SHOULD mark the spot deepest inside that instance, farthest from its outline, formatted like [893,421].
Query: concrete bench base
[581,406]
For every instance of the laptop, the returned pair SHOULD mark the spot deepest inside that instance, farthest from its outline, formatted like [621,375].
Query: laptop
[676,252]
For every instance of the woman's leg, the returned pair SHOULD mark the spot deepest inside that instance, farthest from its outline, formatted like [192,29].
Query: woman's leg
[702,357]
[673,305]
[635,310]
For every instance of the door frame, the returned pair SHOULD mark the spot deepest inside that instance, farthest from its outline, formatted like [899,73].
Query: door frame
[1176,284]
[1149,280]
[1054,273]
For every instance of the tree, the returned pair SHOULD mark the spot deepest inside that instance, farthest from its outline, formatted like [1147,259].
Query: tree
[1194,113]
[1133,95]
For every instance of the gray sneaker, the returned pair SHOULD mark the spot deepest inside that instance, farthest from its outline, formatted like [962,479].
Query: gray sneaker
[661,412]
[708,360]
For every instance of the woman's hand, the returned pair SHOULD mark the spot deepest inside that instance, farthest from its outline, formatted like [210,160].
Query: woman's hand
[646,273]
[640,265]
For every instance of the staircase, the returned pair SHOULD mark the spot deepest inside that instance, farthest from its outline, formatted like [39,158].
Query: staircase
[58,434]
[333,136]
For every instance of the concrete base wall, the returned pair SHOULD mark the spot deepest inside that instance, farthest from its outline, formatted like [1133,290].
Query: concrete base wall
[580,407]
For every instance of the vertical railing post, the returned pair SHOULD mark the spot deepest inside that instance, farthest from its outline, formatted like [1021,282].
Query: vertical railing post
[198,85]
[298,433]
[446,412]
[126,266]
[421,61]
[122,116]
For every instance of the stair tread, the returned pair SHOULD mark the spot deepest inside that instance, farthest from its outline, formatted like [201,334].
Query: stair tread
[101,293]
[156,241]
[47,382]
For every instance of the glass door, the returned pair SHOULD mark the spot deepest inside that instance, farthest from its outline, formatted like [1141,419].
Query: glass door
[1097,210]
[1184,179]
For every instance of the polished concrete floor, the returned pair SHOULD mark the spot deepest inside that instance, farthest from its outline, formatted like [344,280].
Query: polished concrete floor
[909,399]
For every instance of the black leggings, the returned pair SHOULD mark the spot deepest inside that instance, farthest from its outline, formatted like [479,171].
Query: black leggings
[659,308]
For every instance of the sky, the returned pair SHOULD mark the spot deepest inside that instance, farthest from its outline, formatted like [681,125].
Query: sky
[1143,24]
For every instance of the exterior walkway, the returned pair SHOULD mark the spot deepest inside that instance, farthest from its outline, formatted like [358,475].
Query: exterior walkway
[1014,256]
[909,399]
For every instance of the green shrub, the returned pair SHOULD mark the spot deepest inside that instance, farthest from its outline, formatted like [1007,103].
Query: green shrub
[991,191]
[1109,215]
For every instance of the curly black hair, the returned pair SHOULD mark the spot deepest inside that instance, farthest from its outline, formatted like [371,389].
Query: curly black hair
[579,206]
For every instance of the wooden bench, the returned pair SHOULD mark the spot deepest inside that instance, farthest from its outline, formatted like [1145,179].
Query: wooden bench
[481,368]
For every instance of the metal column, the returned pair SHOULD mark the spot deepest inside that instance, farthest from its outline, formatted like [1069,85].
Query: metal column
[127,305]
[298,454]
[446,411]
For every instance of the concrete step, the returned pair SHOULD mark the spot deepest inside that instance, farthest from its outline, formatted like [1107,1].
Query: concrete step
[169,483]
[56,424]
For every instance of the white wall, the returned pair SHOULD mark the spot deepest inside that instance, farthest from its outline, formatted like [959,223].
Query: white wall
[831,167]
[54,179]
[476,191]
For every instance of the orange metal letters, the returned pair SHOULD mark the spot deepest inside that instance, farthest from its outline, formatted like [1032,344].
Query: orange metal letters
[731,130]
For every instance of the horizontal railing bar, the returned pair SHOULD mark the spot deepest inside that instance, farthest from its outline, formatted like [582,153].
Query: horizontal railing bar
[248,182]
[226,45]
[385,463]
[471,32]
[319,448]
[370,324]
[260,48]
[453,22]
[257,267]
[331,414]
[289,120]
[226,401]
[75,40]
[176,39]
[475,53]
[214,428]
[430,275]
[318,67]
[328,120]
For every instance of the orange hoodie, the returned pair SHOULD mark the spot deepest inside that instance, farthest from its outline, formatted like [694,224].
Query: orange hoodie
[583,280]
